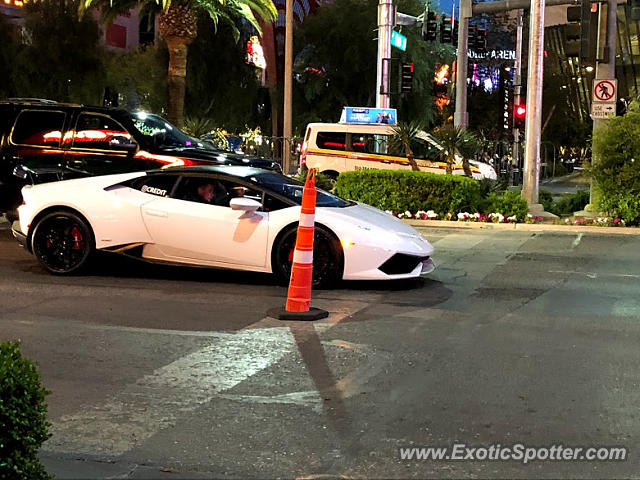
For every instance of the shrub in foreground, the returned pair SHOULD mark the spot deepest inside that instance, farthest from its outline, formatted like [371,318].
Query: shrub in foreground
[404,190]
[23,416]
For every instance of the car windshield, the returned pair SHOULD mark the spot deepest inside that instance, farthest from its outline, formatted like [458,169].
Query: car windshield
[292,189]
[168,135]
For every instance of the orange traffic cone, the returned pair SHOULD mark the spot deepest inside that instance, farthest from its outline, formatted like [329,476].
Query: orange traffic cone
[299,295]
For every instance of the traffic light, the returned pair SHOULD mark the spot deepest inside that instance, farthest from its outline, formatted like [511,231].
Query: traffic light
[406,78]
[454,35]
[472,33]
[480,41]
[519,115]
[430,26]
[579,38]
[446,32]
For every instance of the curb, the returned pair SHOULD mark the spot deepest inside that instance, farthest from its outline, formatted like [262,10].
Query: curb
[524,227]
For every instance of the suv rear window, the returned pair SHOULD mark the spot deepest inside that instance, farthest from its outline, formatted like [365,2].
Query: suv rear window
[38,127]
[332,140]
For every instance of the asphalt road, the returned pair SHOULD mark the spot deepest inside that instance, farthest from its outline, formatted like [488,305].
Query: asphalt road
[173,373]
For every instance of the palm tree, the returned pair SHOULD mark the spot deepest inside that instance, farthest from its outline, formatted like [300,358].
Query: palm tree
[403,134]
[178,28]
[457,141]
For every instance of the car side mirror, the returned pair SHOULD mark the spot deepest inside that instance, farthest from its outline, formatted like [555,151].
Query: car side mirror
[244,204]
[130,147]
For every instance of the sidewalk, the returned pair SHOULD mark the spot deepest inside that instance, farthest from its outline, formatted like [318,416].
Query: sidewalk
[77,467]
[524,227]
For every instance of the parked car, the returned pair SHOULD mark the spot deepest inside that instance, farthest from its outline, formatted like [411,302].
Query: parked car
[238,218]
[43,141]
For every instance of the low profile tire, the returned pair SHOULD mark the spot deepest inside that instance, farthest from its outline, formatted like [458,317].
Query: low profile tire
[328,258]
[63,243]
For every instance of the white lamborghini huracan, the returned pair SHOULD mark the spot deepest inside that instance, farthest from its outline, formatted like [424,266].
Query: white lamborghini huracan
[240,218]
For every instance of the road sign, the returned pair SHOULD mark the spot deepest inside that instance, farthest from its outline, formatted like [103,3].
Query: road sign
[398,40]
[603,110]
[605,91]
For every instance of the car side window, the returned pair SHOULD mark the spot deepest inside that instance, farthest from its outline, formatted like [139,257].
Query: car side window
[100,132]
[332,140]
[370,143]
[424,150]
[158,185]
[41,128]
[237,190]
[271,203]
[213,191]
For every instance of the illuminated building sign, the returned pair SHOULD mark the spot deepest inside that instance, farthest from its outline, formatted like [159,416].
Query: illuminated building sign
[494,55]
[368,115]
[255,55]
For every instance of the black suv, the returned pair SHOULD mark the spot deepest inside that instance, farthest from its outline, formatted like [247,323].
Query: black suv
[43,141]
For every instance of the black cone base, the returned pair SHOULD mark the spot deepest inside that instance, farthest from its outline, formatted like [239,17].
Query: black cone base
[312,314]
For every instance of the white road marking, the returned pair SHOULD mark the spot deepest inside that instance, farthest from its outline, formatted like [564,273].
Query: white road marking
[596,275]
[158,400]
[576,242]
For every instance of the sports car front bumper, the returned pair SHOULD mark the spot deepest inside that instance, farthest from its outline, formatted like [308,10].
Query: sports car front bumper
[17,233]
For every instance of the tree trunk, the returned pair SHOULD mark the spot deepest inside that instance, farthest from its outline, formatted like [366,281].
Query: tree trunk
[176,78]
[411,159]
[466,167]
[450,159]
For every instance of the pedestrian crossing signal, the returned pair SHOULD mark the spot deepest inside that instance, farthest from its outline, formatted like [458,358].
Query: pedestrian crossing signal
[406,78]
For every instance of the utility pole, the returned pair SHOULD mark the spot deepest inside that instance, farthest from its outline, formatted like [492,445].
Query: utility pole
[605,70]
[461,116]
[386,22]
[534,103]
[288,80]
[517,86]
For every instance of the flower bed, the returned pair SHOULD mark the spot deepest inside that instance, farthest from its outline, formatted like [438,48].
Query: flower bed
[598,222]
[464,217]
[497,217]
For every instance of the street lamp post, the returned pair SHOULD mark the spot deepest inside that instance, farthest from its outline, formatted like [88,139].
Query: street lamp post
[288,80]
[386,21]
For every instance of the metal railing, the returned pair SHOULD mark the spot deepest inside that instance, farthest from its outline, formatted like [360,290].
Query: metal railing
[272,148]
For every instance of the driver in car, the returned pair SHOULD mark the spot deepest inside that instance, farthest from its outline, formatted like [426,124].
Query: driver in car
[212,192]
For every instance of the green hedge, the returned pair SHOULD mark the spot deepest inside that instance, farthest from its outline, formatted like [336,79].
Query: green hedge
[508,204]
[401,190]
[23,416]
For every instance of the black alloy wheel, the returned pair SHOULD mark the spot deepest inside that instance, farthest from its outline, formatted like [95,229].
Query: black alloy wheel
[62,242]
[328,258]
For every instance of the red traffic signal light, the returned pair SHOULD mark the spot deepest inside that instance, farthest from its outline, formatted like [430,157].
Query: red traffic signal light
[406,78]
[519,114]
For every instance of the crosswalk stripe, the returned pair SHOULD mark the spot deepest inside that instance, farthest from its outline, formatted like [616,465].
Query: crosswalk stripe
[157,400]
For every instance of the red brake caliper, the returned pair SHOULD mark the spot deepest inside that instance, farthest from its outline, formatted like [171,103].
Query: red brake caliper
[77,238]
